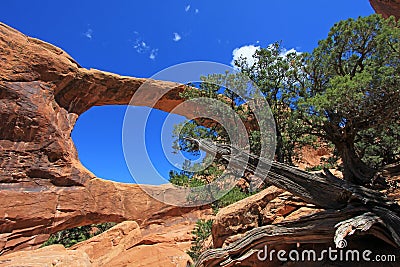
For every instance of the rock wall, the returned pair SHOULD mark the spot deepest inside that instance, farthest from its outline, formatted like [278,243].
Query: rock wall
[386,7]
[43,186]
[125,244]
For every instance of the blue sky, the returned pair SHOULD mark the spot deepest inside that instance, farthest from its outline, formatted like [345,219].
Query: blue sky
[141,38]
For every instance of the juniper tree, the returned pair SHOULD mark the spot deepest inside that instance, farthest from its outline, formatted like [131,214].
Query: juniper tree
[349,87]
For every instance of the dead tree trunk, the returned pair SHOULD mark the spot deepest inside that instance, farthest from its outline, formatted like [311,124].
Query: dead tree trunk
[348,207]
[354,169]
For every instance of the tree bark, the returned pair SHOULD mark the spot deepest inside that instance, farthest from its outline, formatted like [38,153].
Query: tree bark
[354,169]
[348,207]
[314,229]
[279,144]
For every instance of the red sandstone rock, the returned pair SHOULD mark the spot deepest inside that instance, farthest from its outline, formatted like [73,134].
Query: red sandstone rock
[110,244]
[43,186]
[127,245]
[122,245]
[386,7]
[55,255]
[270,206]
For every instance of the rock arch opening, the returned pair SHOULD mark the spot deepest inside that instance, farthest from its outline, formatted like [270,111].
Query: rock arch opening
[97,135]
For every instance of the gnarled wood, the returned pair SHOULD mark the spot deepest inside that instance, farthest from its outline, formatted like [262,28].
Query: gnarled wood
[348,207]
[315,229]
[326,191]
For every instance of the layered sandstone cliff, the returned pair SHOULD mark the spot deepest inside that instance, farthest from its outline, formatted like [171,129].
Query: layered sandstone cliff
[43,186]
[386,7]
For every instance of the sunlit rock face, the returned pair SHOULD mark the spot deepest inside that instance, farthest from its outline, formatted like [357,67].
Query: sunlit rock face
[44,187]
[386,7]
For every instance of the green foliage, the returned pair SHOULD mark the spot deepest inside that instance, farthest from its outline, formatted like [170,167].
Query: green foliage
[179,178]
[183,179]
[319,167]
[217,87]
[201,232]
[345,93]
[271,73]
[70,237]
[192,177]
[233,196]
[379,147]
[349,89]
[192,129]
[350,73]
[214,87]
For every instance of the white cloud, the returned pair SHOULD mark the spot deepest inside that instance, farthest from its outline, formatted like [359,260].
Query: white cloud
[142,47]
[177,37]
[196,11]
[153,54]
[187,8]
[89,33]
[247,52]
[285,52]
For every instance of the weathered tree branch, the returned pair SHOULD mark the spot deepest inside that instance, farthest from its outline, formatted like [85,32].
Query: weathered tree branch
[314,229]
[326,191]
[349,207]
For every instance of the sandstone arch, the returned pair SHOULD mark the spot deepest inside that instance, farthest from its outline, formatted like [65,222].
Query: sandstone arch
[43,186]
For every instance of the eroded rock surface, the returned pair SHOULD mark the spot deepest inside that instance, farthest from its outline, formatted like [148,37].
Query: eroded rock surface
[270,206]
[54,255]
[127,245]
[386,7]
[43,186]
